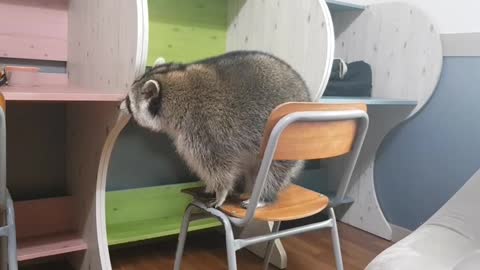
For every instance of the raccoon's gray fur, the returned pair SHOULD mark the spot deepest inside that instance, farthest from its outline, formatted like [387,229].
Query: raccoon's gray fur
[215,110]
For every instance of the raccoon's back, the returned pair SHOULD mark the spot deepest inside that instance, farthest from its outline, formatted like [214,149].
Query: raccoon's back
[255,81]
[258,76]
[246,87]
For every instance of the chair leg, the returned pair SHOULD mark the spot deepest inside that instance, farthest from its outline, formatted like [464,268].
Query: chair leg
[231,250]
[182,236]
[335,240]
[12,240]
[269,249]
[4,253]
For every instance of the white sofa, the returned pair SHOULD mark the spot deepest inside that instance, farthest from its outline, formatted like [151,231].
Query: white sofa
[449,240]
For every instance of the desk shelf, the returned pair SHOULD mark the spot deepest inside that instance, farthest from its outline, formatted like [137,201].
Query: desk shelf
[147,213]
[368,100]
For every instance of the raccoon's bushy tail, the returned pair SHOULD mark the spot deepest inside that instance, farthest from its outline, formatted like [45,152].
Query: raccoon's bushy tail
[281,174]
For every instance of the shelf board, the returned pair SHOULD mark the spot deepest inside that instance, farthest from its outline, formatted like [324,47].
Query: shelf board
[49,245]
[368,101]
[55,87]
[59,93]
[337,5]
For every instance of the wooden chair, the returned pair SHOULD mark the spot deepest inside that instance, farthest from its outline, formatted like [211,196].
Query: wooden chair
[294,131]
[6,204]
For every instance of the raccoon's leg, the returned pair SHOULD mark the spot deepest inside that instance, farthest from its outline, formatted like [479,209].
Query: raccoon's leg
[221,197]
[280,175]
[222,183]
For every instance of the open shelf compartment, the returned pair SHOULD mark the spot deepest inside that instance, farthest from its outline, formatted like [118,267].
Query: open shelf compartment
[46,227]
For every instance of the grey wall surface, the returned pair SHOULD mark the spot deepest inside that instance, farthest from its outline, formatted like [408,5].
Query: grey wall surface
[142,158]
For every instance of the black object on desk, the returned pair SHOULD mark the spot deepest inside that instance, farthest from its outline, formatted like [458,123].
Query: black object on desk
[356,82]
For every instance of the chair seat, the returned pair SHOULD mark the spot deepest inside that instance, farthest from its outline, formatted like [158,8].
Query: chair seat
[294,202]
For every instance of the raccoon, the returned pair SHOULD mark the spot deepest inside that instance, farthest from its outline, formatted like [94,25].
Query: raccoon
[215,111]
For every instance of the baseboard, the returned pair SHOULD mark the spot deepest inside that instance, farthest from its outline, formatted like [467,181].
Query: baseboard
[461,44]
[398,233]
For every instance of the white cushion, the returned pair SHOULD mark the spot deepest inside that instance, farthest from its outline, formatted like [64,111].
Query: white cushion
[469,262]
[449,240]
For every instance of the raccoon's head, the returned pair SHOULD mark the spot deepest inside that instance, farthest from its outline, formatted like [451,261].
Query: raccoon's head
[144,100]
[143,103]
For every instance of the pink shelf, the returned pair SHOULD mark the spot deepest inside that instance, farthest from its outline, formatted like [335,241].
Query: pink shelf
[59,93]
[49,245]
[55,87]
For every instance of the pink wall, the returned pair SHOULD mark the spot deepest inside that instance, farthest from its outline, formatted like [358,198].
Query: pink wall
[34,29]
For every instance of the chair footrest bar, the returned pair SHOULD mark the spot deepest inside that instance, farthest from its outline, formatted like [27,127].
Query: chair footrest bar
[241,243]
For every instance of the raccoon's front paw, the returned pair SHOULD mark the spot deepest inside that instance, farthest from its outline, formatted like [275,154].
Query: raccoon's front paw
[260,204]
[215,204]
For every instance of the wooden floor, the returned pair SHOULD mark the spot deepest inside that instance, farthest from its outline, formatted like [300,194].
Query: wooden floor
[206,251]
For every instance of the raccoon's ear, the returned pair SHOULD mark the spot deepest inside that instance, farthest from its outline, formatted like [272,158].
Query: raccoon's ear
[151,89]
[159,61]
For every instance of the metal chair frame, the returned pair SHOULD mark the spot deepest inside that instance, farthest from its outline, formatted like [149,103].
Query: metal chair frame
[228,221]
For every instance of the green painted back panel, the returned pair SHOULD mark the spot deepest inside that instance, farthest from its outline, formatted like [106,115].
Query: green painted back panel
[146,203]
[186,30]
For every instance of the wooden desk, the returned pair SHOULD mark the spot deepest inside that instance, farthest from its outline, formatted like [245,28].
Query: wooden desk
[364,211]
[55,136]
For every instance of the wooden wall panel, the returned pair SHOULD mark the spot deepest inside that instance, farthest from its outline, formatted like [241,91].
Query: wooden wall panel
[34,29]
[299,32]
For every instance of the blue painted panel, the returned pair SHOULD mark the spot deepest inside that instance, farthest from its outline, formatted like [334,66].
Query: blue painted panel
[421,164]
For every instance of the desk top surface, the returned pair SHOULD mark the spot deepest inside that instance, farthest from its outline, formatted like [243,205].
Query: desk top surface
[368,101]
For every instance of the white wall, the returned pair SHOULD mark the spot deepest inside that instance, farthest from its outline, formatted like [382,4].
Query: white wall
[459,16]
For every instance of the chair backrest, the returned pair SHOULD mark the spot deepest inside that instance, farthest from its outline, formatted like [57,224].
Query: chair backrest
[314,140]
[306,131]
[3,103]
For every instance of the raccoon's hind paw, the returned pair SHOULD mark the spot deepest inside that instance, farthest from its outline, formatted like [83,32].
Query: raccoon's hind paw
[211,203]
[221,196]
[260,204]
